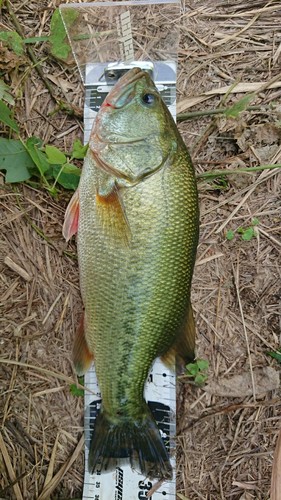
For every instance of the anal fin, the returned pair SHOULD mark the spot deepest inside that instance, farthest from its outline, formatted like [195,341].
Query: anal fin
[81,355]
[182,351]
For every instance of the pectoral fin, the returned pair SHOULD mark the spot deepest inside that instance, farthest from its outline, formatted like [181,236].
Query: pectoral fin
[184,346]
[71,218]
[82,357]
[113,217]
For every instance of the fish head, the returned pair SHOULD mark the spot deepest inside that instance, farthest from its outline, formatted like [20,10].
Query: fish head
[134,134]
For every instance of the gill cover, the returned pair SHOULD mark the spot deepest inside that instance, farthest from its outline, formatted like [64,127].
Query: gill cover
[119,142]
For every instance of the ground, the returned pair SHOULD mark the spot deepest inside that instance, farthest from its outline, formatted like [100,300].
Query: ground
[227,429]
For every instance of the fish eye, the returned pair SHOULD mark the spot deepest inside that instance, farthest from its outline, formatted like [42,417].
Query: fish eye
[148,99]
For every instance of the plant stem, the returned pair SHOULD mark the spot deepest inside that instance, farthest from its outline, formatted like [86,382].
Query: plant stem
[218,173]
[181,117]
[82,36]
[36,39]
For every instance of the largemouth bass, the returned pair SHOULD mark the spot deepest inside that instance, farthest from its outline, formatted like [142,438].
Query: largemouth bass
[136,213]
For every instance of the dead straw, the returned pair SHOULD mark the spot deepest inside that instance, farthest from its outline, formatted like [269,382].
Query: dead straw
[276,471]
[53,483]
[10,469]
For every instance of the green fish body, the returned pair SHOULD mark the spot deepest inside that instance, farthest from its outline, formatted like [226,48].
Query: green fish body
[137,240]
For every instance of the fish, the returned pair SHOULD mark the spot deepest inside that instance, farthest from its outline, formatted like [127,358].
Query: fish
[136,216]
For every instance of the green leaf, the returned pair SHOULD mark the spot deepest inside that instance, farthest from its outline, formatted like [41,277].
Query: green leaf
[197,369]
[248,234]
[79,151]
[55,156]
[5,117]
[200,378]
[68,177]
[239,106]
[230,235]
[33,145]
[203,364]
[76,391]
[15,160]
[276,355]
[13,40]
[60,47]
[220,183]
[69,168]
[192,369]
[5,93]
[255,221]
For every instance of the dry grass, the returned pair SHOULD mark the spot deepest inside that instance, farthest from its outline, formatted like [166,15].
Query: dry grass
[226,442]
[41,303]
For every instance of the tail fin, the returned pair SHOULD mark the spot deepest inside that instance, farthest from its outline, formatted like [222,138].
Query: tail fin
[140,441]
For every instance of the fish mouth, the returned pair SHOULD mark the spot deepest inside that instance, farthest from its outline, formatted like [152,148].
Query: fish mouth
[123,88]
[98,142]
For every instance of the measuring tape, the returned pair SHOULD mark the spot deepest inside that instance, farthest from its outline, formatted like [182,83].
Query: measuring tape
[160,391]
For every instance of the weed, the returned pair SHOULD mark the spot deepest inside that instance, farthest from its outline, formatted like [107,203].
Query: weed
[5,94]
[239,106]
[230,235]
[13,40]
[276,355]
[23,159]
[59,46]
[75,390]
[247,233]
[198,371]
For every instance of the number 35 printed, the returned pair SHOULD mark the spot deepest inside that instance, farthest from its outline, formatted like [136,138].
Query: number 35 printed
[144,486]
